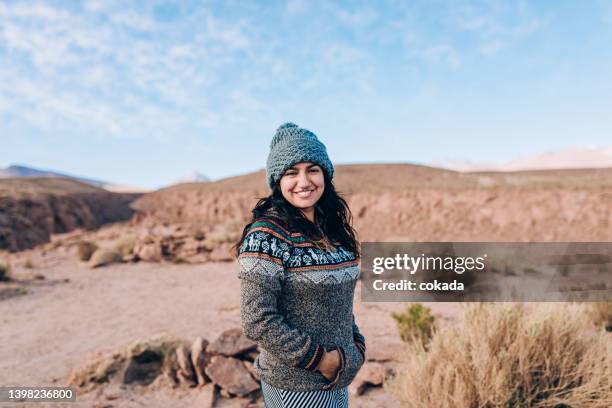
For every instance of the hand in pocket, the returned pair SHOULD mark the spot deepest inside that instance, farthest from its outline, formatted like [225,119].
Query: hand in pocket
[330,364]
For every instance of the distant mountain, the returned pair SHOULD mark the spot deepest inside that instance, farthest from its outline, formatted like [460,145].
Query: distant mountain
[570,158]
[193,177]
[24,171]
[463,165]
[27,172]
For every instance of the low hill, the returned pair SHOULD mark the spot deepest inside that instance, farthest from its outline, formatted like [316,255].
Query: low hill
[420,203]
[31,209]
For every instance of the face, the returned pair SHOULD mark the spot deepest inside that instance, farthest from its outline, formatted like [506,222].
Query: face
[302,185]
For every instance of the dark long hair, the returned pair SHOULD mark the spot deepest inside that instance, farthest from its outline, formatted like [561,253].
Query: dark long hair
[332,215]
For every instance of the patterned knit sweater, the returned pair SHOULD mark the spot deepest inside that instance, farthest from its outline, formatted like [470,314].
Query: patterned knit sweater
[296,302]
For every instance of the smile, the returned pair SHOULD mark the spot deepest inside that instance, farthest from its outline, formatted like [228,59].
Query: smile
[304,193]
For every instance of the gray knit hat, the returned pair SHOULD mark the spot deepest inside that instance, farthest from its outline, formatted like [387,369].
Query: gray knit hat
[291,145]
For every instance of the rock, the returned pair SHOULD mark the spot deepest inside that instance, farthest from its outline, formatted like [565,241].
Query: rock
[141,363]
[186,373]
[357,387]
[104,257]
[149,252]
[231,375]
[200,358]
[112,392]
[207,396]
[372,373]
[193,247]
[131,258]
[221,253]
[251,369]
[251,355]
[231,343]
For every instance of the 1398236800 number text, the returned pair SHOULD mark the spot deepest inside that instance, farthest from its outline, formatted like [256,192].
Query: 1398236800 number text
[42,394]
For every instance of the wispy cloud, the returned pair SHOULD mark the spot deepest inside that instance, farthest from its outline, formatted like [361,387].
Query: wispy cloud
[443,53]
[496,25]
[295,7]
[357,18]
[94,70]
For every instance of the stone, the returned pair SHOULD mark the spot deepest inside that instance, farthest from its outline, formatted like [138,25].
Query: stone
[149,252]
[103,257]
[221,253]
[357,387]
[251,369]
[372,373]
[231,375]
[185,373]
[231,343]
[251,355]
[200,358]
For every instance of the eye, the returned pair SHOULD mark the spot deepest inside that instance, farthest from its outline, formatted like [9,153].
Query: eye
[290,173]
[314,170]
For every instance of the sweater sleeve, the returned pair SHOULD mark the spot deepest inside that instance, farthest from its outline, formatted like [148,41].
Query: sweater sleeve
[261,273]
[359,339]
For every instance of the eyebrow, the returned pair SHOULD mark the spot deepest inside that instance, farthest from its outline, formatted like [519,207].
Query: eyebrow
[309,167]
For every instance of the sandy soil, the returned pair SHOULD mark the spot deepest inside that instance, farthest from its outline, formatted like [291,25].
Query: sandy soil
[76,311]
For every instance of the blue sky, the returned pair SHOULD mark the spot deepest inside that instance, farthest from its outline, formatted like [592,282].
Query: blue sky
[142,93]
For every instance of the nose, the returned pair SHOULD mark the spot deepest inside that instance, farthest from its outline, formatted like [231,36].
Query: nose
[303,180]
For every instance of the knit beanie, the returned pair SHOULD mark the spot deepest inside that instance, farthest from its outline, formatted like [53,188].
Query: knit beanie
[291,145]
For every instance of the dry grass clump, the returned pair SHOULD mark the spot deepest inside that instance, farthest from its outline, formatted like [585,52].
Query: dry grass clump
[228,233]
[126,245]
[105,257]
[179,260]
[85,250]
[199,235]
[601,314]
[415,324]
[502,356]
[5,272]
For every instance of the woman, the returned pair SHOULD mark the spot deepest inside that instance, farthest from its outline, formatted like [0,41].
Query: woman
[298,268]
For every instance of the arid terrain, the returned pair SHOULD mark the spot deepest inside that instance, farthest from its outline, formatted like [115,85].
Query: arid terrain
[172,272]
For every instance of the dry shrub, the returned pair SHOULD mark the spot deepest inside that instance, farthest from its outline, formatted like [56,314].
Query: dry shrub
[28,264]
[179,260]
[126,245]
[227,233]
[415,324]
[54,245]
[85,250]
[199,235]
[601,314]
[5,272]
[105,257]
[503,357]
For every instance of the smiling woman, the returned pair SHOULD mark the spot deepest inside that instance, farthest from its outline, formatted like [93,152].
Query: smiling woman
[299,264]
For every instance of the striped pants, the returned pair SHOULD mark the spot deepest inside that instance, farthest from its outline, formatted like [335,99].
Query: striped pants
[277,398]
